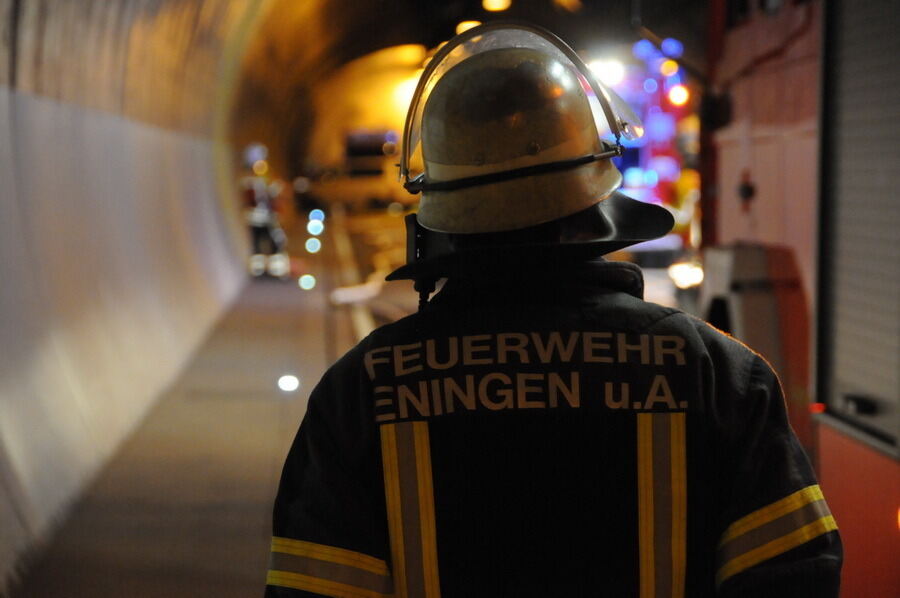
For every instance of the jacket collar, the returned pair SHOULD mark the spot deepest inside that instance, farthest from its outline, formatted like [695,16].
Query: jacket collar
[544,283]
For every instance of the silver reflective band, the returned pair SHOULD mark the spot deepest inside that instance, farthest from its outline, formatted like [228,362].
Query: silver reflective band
[419,184]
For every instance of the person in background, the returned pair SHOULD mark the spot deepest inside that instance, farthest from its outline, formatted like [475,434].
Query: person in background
[260,198]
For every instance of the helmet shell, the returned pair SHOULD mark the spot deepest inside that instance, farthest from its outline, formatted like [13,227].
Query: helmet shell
[501,110]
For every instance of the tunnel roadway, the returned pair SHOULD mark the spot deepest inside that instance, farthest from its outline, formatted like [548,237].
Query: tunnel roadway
[184,507]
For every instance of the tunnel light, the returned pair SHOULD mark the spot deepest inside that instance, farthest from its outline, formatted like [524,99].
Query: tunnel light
[313,245]
[569,5]
[463,26]
[686,274]
[315,227]
[610,72]
[289,383]
[317,214]
[306,282]
[404,91]
[679,95]
[495,5]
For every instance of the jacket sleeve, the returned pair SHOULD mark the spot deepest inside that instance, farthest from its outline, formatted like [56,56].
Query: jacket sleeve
[329,528]
[778,537]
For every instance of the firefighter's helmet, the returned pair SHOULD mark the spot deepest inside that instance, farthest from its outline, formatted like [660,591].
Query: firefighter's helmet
[508,130]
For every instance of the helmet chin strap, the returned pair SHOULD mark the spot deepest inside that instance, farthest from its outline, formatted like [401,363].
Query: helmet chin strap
[424,287]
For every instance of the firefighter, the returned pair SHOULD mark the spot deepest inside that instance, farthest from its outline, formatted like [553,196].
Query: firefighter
[260,195]
[537,429]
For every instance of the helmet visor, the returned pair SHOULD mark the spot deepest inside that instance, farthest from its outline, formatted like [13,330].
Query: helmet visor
[613,117]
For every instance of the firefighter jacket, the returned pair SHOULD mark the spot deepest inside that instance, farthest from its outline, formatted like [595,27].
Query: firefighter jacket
[550,435]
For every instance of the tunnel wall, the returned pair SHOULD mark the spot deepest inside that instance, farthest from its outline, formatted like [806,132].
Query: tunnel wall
[120,243]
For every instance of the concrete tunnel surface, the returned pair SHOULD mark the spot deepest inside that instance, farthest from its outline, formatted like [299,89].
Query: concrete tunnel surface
[120,234]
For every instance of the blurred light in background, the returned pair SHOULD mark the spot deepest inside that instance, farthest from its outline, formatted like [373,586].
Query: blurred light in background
[279,265]
[260,167]
[643,49]
[660,126]
[466,25]
[306,282]
[257,264]
[686,274]
[679,95]
[650,85]
[672,47]
[315,227]
[395,208]
[495,5]
[255,152]
[666,166]
[313,245]
[317,214]
[668,68]
[633,177]
[289,383]
[404,91]
[672,81]
[610,72]
[569,5]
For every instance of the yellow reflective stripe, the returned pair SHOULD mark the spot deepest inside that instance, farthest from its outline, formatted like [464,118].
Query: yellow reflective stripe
[771,512]
[426,510]
[329,553]
[662,504]
[394,511]
[409,493]
[297,581]
[678,449]
[776,547]
[645,503]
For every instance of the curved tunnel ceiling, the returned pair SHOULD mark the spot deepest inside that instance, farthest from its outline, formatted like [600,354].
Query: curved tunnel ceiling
[296,45]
